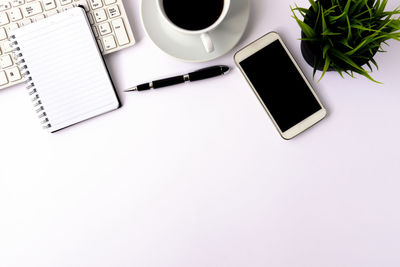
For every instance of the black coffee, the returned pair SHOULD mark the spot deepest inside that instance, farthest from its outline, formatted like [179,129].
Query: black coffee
[193,15]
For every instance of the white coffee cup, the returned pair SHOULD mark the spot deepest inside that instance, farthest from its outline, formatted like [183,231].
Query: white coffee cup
[203,33]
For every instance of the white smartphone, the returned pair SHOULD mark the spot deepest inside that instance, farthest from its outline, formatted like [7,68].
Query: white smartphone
[280,85]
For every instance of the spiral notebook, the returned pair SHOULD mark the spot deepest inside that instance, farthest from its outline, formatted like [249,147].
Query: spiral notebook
[64,70]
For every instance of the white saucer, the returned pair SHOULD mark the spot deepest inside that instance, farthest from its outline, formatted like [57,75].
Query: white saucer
[190,48]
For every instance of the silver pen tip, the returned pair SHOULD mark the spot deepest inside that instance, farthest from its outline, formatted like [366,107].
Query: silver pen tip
[131,89]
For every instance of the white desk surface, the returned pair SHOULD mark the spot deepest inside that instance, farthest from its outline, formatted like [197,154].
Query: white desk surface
[196,175]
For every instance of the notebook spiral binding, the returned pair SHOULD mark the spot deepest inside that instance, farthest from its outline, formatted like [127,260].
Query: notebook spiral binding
[30,85]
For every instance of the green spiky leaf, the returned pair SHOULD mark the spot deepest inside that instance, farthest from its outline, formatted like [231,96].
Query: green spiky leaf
[345,34]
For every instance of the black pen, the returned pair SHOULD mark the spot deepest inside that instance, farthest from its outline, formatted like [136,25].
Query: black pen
[190,77]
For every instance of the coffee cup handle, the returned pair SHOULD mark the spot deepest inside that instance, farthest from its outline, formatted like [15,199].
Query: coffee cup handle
[207,42]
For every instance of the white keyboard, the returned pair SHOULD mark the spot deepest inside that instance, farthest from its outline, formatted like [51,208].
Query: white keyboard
[109,22]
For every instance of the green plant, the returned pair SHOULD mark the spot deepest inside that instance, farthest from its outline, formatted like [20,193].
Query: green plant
[345,34]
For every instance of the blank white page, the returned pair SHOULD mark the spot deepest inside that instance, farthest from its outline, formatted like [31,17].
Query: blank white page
[67,68]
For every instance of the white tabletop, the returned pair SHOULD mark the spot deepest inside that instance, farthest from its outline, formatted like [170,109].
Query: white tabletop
[196,175]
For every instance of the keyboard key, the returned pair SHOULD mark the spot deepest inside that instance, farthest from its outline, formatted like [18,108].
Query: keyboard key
[105,28]
[32,9]
[90,17]
[11,26]
[18,2]
[96,4]
[15,14]
[4,19]
[65,8]
[100,15]
[6,47]
[3,78]
[120,31]
[109,42]
[49,4]
[109,2]
[113,11]
[65,2]
[25,22]
[51,12]
[38,17]
[5,6]
[13,74]
[95,31]
[3,34]
[5,61]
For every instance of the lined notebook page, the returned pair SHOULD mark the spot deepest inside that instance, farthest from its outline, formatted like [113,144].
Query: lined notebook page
[67,68]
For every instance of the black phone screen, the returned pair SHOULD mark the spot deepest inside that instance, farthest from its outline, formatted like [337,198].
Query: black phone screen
[280,85]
